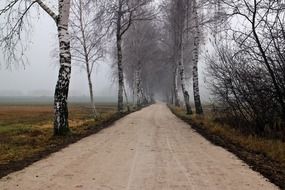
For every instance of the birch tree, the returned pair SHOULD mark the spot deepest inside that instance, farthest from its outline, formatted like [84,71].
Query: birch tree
[124,14]
[15,13]
[168,45]
[88,32]
[195,58]
[186,33]
[141,54]
[180,9]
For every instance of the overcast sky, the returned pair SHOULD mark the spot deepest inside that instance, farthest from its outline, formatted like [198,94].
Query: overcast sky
[40,75]
[41,72]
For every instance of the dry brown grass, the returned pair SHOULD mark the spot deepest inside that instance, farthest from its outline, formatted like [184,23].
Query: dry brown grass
[273,148]
[27,130]
[264,155]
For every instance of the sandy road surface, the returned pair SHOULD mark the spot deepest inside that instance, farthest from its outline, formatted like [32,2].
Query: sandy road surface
[149,149]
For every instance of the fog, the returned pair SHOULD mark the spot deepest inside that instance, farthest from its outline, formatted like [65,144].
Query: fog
[38,77]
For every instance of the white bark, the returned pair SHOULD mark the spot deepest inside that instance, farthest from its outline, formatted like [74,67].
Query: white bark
[119,34]
[87,60]
[175,86]
[127,100]
[62,87]
[120,74]
[134,87]
[138,85]
[182,78]
[90,85]
[197,100]
[16,12]
[47,10]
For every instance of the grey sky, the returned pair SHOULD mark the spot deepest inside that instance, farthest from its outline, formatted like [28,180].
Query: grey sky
[41,72]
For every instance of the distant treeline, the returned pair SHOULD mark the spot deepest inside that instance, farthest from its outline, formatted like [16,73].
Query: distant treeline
[8,100]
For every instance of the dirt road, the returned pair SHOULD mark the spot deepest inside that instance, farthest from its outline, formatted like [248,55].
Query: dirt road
[149,149]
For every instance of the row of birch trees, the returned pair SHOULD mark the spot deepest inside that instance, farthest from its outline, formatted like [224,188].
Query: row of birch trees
[155,47]
[162,54]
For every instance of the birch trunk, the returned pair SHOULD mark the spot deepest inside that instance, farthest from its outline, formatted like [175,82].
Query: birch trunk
[138,89]
[197,100]
[138,85]
[61,126]
[175,87]
[120,58]
[134,88]
[90,85]
[87,62]
[127,101]
[143,95]
[182,77]
[120,67]
[172,97]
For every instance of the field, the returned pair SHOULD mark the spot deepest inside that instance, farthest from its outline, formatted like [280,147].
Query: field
[26,132]
[264,155]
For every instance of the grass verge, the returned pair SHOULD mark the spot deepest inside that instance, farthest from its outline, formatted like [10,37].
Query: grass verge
[266,156]
[28,137]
